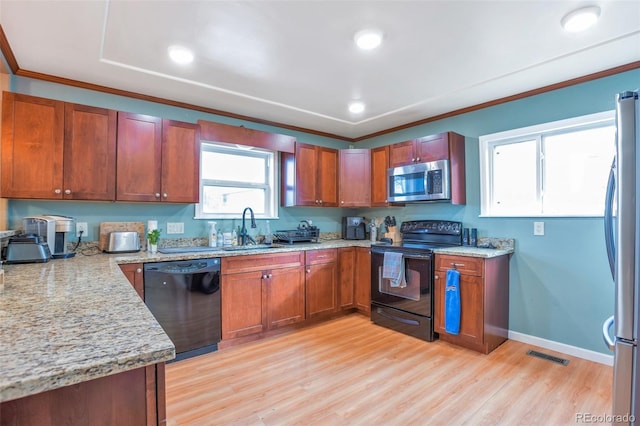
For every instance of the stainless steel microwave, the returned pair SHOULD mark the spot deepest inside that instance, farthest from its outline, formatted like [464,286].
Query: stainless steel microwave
[420,182]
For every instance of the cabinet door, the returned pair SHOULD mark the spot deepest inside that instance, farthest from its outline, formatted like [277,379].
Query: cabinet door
[327,167]
[89,153]
[432,148]
[471,308]
[32,147]
[355,178]
[180,162]
[284,289]
[322,286]
[346,276]
[133,272]
[243,304]
[139,156]
[363,279]
[379,180]
[401,154]
[306,165]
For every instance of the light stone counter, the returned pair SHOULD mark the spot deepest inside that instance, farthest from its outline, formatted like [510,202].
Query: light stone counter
[72,320]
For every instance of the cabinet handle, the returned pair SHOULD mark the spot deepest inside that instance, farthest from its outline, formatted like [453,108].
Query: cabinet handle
[67,191]
[320,201]
[57,191]
[157,195]
[436,277]
[139,270]
[164,195]
[270,276]
[417,159]
[308,271]
[264,276]
[457,264]
[413,160]
[342,202]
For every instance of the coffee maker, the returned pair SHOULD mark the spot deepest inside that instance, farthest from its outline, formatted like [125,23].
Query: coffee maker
[354,228]
[53,230]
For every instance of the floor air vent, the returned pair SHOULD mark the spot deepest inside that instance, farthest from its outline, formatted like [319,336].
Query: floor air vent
[548,357]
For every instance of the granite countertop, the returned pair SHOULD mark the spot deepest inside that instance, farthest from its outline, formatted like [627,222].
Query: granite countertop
[72,320]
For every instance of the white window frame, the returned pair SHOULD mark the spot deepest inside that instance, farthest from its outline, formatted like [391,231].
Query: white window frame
[271,198]
[537,132]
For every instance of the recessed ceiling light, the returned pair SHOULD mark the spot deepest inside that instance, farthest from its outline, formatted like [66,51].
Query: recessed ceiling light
[580,19]
[180,55]
[368,39]
[356,107]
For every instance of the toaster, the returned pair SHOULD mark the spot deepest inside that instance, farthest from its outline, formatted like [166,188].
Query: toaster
[123,242]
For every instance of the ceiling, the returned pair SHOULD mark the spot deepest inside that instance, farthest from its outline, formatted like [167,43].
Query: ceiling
[295,62]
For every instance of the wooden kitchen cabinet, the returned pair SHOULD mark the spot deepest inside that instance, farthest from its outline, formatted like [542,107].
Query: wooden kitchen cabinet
[157,160]
[484,300]
[362,279]
[261,292]
[346,277]
[355,278]
[135,275]
[379,180]
[321,282]
[442,146]
[309,176]
[355,178]
[57,150]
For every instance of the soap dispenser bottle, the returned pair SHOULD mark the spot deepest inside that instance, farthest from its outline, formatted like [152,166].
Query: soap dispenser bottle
[213,235]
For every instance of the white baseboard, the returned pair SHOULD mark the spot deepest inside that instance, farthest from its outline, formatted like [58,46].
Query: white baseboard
[563,348]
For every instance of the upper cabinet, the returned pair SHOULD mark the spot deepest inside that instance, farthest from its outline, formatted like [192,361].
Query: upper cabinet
[355,178]
[57,150]
[309,176]
[158,160]
[442,146]
[420,150]
[63,151]
[379,181]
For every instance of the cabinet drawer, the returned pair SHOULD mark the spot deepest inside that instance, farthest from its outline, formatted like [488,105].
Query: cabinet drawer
[321,256]
[466,265]
[259,262]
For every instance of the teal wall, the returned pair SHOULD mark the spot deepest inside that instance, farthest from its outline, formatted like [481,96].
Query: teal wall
[560,286]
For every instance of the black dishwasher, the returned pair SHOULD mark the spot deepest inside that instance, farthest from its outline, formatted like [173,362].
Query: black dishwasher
[184,296]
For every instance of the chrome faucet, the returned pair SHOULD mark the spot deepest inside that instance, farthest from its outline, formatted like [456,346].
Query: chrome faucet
[243,232]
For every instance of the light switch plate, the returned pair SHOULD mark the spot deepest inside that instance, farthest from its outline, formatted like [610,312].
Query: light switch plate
[175,228]
[538,228]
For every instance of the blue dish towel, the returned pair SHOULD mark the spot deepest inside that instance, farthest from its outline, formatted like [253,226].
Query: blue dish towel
[452,302]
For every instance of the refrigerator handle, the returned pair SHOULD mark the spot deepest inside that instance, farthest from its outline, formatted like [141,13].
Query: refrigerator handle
[608,219]
[606,326]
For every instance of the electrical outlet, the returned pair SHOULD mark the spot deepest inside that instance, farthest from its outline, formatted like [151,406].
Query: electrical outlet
[82,226]
[175,228]
[538,228]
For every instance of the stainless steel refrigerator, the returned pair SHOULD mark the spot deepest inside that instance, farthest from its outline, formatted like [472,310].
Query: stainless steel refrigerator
[622,235]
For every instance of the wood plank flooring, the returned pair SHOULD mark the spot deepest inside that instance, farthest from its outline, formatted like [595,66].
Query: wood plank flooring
[349,371]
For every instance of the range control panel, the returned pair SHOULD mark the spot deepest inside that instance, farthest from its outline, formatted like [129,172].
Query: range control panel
[431,227]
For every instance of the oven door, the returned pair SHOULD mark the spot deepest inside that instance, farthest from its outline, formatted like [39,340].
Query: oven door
[417,296]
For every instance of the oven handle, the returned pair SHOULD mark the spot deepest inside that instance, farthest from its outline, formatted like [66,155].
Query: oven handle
[406,256]
[395,318]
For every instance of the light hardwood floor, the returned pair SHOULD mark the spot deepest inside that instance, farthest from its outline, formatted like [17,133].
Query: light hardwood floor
[350,371]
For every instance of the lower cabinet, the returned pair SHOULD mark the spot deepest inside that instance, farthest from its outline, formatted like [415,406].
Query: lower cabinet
[134,273]
[321,282]
[363,279]
[261,292]
[354,265]
[134,397]
[484,300]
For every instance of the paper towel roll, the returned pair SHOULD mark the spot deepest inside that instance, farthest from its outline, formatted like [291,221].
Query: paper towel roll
[151,225]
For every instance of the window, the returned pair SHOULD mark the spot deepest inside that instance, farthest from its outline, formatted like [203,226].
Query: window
[233,177]
[554,169]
